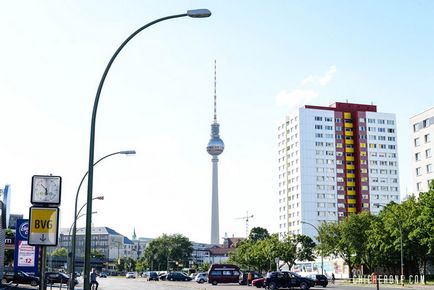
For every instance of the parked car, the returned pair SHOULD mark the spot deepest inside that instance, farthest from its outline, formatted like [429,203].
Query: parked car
[244,275]
[103,275]
[201,277]
[20,277]
[130,275]
[153,276]
[178,276]
[57,277]
[223,273]
[286,279]
[162,276]
[259,282]
[319,279]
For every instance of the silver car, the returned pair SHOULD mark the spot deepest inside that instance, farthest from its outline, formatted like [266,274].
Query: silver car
[201,277]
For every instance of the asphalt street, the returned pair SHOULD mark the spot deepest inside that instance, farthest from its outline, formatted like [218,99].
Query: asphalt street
[121,283]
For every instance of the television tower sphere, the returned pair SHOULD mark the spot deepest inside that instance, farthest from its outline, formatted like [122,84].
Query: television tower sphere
[215,145]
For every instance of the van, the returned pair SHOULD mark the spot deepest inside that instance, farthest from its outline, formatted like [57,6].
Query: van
[223,273]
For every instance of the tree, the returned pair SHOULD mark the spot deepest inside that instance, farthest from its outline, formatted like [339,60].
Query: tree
[258,233]
[59,252]
[97,254]
[168,252]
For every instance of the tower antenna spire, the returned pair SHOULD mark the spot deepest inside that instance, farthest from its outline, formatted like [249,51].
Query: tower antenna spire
[215,91]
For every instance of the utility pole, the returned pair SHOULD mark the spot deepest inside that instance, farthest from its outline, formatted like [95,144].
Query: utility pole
[247,217]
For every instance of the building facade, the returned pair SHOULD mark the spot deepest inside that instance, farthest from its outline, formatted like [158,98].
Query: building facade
[332,162]
[422,128]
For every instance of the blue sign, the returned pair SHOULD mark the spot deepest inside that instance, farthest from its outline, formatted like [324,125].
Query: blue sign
[26,257]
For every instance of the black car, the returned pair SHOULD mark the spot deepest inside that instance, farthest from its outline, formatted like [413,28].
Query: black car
[178,276]
[20,278]
[244,275]
[285,279]
[319,279]
[153,276]
[57,278]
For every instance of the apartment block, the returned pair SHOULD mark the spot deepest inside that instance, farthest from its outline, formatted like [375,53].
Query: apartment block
[422,128]
[332,162]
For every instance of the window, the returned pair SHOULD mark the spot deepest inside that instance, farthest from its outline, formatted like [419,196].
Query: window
[382,130]
[328,119]
[390,122]
[318,135]
[429,168]
[428,153]
[390,130]
[416,127]
[338,120]
[418,171]
[317,118]
[417,156]
[318,127]
[372,121]
[427,138]
[380,121]
[362,120]
[419,186]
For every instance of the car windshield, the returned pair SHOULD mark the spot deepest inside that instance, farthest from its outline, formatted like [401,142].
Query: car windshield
[295,274]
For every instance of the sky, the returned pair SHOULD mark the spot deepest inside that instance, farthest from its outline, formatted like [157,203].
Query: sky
[272,57]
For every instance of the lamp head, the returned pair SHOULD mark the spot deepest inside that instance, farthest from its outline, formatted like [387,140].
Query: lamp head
[100,197]
[199,13]
[128,152]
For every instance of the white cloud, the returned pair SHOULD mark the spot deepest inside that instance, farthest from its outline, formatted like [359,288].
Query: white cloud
[322,80]
[296,98]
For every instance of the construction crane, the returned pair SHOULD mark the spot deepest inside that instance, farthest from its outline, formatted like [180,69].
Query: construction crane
[247,217]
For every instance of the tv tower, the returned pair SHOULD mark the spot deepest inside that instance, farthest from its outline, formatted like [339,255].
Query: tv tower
[215,148]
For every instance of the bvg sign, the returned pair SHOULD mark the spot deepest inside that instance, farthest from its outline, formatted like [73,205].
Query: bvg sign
[43,226]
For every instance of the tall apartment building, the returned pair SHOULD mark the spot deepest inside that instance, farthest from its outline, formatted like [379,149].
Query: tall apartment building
[422,127]
[335,161]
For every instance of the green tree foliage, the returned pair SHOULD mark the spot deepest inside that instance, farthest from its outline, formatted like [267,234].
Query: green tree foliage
[260,254]
[97,254]
[9,254]
[258,233]
[60,252]
[168,252]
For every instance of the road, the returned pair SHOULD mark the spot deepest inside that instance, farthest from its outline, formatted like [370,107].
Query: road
[121,283]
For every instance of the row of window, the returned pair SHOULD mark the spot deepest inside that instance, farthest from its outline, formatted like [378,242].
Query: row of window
[428,169]
[428,154]
[381,146]
[361,120]
[427,139]
[419,185]
[420,125]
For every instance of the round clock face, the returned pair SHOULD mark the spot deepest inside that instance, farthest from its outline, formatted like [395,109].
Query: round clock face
[46,189]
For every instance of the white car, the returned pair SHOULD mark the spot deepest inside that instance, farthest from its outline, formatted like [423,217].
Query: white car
[201,277]
[131,275]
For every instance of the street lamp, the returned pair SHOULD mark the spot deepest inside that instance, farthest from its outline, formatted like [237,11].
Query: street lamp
[400,234]
[198,13]
[319,240]
[124,152]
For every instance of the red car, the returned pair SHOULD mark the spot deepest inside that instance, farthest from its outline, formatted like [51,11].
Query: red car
[259,283]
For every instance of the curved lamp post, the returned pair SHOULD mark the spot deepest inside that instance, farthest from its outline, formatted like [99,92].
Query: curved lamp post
[319,239]
[124,152]
[400,233]
[199,13]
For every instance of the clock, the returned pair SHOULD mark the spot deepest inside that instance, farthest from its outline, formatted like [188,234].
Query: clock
[46,189]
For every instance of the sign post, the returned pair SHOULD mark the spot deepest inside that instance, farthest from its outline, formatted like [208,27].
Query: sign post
[44,215]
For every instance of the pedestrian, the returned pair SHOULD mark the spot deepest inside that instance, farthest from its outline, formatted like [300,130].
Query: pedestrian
[93,279]
[333,278]
[249,278]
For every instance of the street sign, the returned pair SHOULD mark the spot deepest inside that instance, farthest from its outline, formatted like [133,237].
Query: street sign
[44,226]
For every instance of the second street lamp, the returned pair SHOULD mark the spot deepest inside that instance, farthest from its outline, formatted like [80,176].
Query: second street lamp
[124,152]
[319,240]
[198,13]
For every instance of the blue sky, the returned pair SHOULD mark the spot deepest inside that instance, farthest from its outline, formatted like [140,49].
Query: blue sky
[272,57]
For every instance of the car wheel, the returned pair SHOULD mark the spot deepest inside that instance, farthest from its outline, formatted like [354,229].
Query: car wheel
[34,283]
[272,286]
[259,285]
[324,285]
[201,281]
[186,279]
[214,283]
[304,286]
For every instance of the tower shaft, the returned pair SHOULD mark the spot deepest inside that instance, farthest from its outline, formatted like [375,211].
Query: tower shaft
[215,234]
